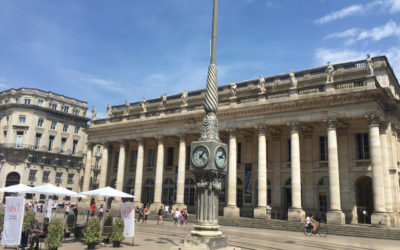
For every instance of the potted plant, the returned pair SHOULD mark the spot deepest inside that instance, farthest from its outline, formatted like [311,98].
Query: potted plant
[92,233]
[1,221]
[117,232]
[54,234]
[70,225]
[29,220]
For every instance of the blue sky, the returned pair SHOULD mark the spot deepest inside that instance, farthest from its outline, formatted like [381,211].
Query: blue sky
[106,52]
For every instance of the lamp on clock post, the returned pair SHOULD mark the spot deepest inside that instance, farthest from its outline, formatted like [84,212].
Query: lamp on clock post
[208,163]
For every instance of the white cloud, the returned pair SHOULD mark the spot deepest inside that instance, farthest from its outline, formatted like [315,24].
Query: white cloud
[391,6]
[380,32]
[3,86]
[347,33]
[323,55]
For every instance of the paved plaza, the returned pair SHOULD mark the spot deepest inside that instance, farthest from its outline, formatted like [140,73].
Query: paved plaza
[153,236]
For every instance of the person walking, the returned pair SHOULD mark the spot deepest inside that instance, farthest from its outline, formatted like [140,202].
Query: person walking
[146,213]
[141,214]
[166,211]
[182,217]
[160,215]
[173,215]
[176,216]
[92,209]
[67,210]
[101,212]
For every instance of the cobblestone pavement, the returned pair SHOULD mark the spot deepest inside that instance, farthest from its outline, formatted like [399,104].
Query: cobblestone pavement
[153,236]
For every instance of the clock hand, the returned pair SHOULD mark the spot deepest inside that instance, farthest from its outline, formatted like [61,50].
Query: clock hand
[201,155]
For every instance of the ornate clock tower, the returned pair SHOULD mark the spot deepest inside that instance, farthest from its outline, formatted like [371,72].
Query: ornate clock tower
[208,163]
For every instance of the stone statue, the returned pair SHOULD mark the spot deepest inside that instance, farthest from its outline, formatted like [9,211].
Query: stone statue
[293,80]
[93,113]
[329,71]
[126,110]
[184,97]
[261,84]
[109,113]
[143,105]
[370,66]
[233,89]
[163,101]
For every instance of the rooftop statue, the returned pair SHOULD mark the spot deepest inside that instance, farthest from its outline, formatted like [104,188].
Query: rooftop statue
[293,80]
[261,84]
[370,65]
[233,89]
[184,97]
[93,113]
[329,70]
[126,110]
[109,112]
[143,105]
[163,101]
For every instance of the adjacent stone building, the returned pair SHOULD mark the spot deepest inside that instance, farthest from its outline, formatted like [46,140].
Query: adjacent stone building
[42,138]
[322,141]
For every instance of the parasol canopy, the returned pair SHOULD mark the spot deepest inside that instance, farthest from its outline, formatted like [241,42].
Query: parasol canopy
[19,188]
[107,192]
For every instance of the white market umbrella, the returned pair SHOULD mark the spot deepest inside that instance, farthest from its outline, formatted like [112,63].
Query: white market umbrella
[107,192]
[19,188]
[50,189]
[71,193]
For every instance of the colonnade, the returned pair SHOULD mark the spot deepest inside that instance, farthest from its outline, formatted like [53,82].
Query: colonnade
[378,157]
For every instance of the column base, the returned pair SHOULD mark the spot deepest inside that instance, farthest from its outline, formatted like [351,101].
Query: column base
[260,212]
[154,207]
[380,219]
[231,211]
[137,204]
[335,217]
[200,242]
[179,205]
[296,214]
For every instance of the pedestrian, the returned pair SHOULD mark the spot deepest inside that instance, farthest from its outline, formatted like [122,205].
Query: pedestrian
[172,215]
[177,215]
[101,212]
[160,215]
[141,214]
[269,208]
[75,210]
[186,215]
[92,209]
[182,217]
[146,213]
[166,210]
[67,210]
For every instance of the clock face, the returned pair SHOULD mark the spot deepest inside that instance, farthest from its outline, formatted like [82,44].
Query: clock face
[200,156]
[220,157]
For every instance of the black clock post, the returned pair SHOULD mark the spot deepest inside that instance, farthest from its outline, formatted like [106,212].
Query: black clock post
[208,164]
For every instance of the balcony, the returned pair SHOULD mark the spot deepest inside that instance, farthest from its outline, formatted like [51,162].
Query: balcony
[58,181]
[45,179]
[70,182]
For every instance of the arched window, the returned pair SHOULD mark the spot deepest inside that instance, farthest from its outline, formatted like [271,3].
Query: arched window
[148,192]
[168,195]
[189,193]
[239,193]
[130,186]
[323,196]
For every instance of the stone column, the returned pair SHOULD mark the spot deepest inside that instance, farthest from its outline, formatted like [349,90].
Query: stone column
[159,175]
[104,166]
[379,216]
[121,165]
[232,210]
[180,187]
[88,168]
[385,166]
[260,210]
[295,213]
[335,214]
[139,173]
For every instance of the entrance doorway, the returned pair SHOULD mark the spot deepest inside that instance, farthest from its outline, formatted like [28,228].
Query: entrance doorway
[148,192]
[168,194]
[13,178]
[323,197]
[239,194]
[287,198]
[364,199]
[190,195]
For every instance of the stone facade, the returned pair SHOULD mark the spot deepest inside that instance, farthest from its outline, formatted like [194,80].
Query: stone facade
[318,141]
[42,138]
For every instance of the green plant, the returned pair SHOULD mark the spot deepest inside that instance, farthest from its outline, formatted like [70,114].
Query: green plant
[1,221]
[93,231]
[70,221]
[29,220]
[108,221]
[54,234]
[117,232]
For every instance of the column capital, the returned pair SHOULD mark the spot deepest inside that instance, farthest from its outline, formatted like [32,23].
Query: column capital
[331,123]
[294,126]
[383,126]
[373,119]
[182,137]
[262,129]
[232,132]
[160,139]
[123,143]
[140,140]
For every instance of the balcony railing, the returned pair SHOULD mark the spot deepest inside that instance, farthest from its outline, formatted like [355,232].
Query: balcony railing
[70,181]
[46,180]
[43,148]
[58,180]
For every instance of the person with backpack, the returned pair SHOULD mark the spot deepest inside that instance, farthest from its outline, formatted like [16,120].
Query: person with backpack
[160,215]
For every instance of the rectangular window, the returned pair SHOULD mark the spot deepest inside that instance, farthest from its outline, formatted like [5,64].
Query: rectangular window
[20,137]
[47,161]
[51,142]
[66,108]
[74,146]
[60,163]
[32,175]
[96,164]
[170,156]
[45,177]
[362,146]
[63,142]
[289,156]
[239,152]
[34,159]
[247,183]
[323,148]
[65,128]
[40,122]
[77,111]
[21,119]
[71,164]
[53,125]
[116,159]
[58,177]
[71,178]
[76,129]
[134,159]
[40,102]
[151,157]
[37,141]
[188,155]
[54,106]
[27,101]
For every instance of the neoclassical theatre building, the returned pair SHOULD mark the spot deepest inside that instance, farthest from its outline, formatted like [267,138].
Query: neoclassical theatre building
[323,141]
[42,138]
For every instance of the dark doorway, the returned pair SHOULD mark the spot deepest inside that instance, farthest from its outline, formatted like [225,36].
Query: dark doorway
[364,199]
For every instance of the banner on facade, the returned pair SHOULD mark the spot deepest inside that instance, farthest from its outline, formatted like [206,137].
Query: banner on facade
[128,215]
[49,206]
[13,218]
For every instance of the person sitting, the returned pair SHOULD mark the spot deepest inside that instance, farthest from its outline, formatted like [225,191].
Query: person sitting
[311,222]
[40,234]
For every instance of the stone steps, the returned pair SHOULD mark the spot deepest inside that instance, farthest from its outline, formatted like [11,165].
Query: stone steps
[346,230]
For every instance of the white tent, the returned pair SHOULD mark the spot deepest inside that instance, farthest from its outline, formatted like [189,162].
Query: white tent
[107,192]
[50,189]
[19,188]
